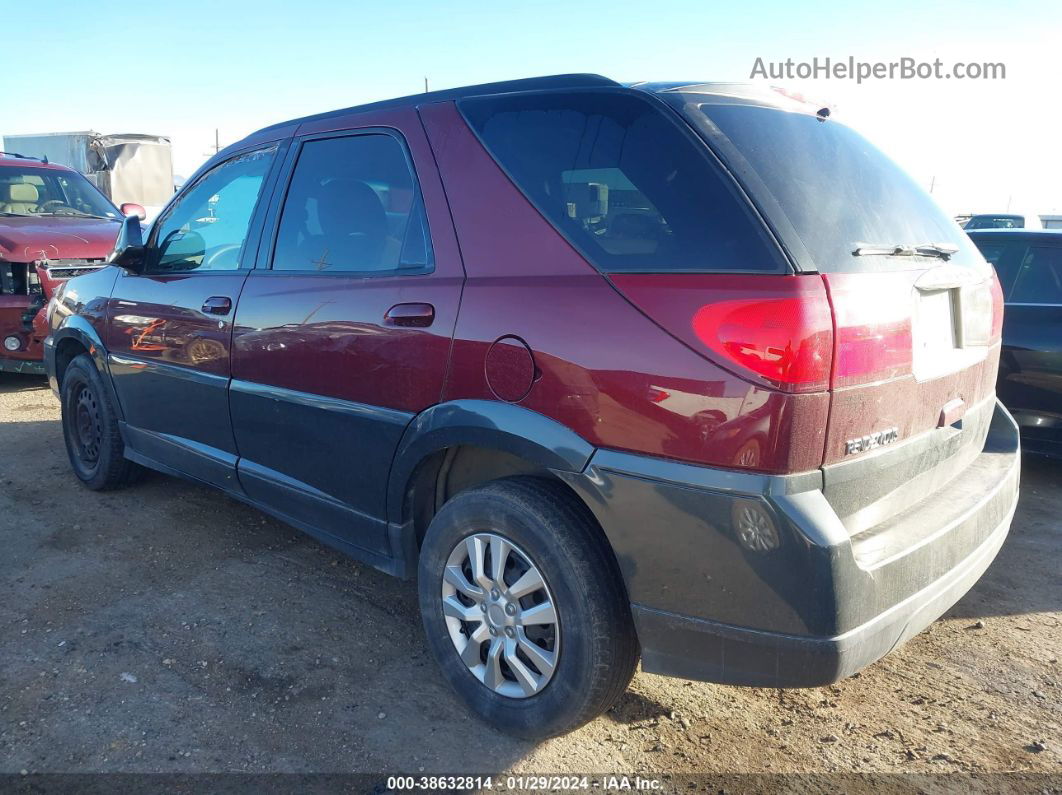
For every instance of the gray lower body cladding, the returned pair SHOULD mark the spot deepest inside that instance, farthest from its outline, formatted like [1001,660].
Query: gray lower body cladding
[819,603]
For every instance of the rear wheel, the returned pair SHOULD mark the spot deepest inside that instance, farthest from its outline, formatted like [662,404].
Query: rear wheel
[524,607]
[90,429]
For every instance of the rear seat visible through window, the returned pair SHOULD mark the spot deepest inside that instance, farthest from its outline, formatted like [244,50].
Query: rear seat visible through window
[352,206]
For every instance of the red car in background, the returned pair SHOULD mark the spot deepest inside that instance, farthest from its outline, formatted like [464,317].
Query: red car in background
[54,224]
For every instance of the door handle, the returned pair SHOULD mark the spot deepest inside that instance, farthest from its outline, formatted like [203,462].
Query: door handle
[217,305]
[410,315]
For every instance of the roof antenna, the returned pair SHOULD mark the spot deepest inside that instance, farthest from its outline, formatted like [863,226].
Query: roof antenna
[45,160]
[822,114]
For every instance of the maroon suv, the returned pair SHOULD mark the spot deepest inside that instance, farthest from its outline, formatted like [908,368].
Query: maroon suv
[690,372]
[54,224]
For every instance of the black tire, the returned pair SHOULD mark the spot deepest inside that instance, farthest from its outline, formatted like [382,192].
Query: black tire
[90,429]
[598,651]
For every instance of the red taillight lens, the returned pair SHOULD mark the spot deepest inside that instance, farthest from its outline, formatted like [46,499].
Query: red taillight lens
[872,337]
[772,329]
[997,306]
[785,340]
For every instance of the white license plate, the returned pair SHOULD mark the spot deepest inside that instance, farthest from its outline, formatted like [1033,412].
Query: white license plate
[935,336]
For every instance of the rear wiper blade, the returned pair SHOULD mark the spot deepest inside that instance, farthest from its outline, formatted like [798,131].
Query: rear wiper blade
[941,250]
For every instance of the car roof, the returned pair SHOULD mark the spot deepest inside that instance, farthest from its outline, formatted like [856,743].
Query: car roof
[12,159]
[449,94]
[744,91]
[727,92]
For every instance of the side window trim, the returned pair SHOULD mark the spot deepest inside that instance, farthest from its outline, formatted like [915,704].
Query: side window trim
[268,244]
[263,260]
[254,227]
[261,218]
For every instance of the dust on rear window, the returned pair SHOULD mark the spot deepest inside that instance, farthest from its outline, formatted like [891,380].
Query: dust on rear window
[825,188]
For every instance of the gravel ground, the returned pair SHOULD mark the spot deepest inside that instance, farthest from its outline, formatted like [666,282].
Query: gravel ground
[169,628]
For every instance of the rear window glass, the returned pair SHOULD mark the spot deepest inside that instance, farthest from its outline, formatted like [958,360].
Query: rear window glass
[825,188]
[616,176]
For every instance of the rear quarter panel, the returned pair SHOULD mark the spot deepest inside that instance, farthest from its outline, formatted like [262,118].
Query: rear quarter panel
[600,364]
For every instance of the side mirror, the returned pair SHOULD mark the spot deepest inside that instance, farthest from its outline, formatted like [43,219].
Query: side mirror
[128,251]
[133,209]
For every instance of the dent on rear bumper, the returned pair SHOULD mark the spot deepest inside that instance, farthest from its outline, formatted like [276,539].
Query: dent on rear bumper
[806,613]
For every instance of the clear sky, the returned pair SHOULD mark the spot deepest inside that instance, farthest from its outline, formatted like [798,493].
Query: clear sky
[184,68]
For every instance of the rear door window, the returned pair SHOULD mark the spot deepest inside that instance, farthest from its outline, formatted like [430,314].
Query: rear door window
[353,207]
[1039,277]
[617,176]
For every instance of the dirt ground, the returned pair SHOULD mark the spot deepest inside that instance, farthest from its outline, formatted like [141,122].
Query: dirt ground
[169,628]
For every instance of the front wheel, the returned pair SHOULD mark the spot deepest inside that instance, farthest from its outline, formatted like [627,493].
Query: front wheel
[90,429]
[524,607]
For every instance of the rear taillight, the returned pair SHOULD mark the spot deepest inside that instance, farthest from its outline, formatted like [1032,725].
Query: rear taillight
[997,306]
[776,329]
[785,340]
[872,334]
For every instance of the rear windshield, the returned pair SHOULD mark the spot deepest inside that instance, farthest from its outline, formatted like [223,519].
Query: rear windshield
[617,176]
[996,222]
[824,187]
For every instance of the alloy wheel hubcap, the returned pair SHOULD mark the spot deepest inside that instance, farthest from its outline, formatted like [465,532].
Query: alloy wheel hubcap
[500,615]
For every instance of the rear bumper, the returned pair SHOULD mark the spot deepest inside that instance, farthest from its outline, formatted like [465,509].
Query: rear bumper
[817,608]
[693,648]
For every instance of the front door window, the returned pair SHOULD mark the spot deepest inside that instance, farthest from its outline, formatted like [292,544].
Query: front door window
[206,228]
